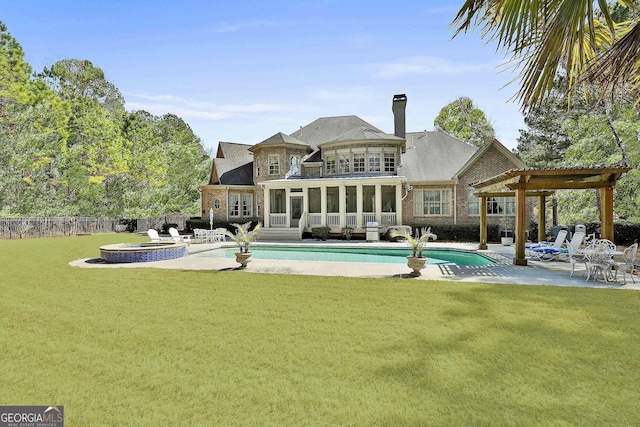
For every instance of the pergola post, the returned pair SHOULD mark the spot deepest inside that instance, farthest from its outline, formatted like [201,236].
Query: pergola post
[483,223]
[606,213]
[542,218]
[521,217]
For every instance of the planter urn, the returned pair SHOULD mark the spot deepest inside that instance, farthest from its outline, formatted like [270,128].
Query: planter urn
[416,264]
[243,258]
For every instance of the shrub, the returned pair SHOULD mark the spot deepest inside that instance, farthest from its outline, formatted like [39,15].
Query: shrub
[321,233]
[167,225]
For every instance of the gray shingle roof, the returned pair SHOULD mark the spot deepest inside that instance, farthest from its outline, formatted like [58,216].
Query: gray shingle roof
[329,128]
[281,138]
[364,133]
[434,156]
[233,165]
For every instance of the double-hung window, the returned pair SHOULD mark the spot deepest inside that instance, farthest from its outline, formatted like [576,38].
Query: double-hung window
[274,165]
[495,205]
[234,205]
[247,205]
[389,162]
[330,163]
[436,202]
[358,162]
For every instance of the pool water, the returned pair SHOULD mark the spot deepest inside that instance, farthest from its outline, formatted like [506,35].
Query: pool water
[352,254]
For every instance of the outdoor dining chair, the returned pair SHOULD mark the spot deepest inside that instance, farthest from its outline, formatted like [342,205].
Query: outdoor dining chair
[628,263]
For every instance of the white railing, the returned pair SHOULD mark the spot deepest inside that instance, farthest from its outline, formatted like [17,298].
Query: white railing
[389,218]
[301,224]
[278,220]
[333,220]
[315,219]
[368,217]
[352,220]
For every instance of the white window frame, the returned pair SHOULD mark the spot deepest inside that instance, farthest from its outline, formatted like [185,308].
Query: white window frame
[359,162]
[247,205]
[234,205]
[330,164]
[344,163]
[389,162]
[440,207]
[274,164]
[374,162]
[496,206]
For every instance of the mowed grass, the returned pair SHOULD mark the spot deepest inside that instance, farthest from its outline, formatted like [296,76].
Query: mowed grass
[146,346]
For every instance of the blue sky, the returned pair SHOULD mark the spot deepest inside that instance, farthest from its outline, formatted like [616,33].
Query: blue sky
[241,71]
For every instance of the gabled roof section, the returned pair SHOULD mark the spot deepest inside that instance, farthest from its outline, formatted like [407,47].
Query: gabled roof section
[434,156]
[282,139]
[364,133]
[327,129]
[230,157]
[517,163]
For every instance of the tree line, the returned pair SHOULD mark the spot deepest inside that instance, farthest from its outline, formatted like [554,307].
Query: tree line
[69,147]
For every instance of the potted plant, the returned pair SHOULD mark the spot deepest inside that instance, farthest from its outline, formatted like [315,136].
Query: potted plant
[506,233]
[347,232]
[416,261]
[243,237]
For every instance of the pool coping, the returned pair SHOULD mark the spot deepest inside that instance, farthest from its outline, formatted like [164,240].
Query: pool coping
[503,272]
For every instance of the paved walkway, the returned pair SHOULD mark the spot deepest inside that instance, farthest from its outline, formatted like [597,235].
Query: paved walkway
[536,273]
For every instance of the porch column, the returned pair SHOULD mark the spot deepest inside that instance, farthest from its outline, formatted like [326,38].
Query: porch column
[342,204]
[267,207]
[542,218]
[359,199]
[606,213]
[483,223]
[323,205]
[398,204]
[287,207]
[378,204]
[521,217]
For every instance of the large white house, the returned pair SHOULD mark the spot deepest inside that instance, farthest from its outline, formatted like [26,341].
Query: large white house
[343,171]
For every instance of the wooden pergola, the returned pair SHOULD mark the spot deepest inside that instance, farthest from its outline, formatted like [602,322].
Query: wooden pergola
[523,183]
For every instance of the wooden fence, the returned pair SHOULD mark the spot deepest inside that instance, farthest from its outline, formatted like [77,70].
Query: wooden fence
[21,228]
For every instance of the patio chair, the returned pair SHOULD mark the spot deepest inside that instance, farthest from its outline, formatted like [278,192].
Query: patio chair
[628,263]
[576,256]
[176,237]
[572,246]
[155,237]
[599,261]
[549,252]
[199,235]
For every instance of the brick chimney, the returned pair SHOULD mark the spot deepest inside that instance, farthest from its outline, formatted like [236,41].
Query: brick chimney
[399,106]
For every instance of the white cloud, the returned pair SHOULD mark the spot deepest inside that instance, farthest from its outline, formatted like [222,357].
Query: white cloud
[159,104]
[232,27]
[426,65]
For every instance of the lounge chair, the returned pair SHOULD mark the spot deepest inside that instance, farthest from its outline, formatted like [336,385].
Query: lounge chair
[176,237]
[154,236]
[548,252]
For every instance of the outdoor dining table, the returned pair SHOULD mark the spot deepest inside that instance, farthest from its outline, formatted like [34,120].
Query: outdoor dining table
[599,257]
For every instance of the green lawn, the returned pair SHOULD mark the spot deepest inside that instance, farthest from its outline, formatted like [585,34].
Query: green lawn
[162,347]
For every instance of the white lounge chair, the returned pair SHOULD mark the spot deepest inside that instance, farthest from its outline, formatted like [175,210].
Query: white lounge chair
[177,237]
[547,252]
[155,237]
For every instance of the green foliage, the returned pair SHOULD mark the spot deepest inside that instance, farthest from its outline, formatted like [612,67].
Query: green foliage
[463,120]
[70,148]
[321,233]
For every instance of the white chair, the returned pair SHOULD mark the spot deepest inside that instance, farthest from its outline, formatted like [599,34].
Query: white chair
[199,235]
[549,252]
[599,261]
[176,237]
[628,263]
[153,235]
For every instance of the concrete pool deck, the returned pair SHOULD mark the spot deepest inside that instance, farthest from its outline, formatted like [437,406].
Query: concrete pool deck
[503,272]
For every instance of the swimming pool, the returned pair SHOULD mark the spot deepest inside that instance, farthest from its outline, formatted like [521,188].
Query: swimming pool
[353,254]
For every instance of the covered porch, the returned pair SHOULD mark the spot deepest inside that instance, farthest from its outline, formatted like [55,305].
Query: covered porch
[522,183]
[333,203]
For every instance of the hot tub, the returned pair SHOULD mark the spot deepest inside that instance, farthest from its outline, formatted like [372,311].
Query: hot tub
[142,252]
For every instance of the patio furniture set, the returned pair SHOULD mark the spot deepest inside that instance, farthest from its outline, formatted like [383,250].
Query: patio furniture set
[601,258]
